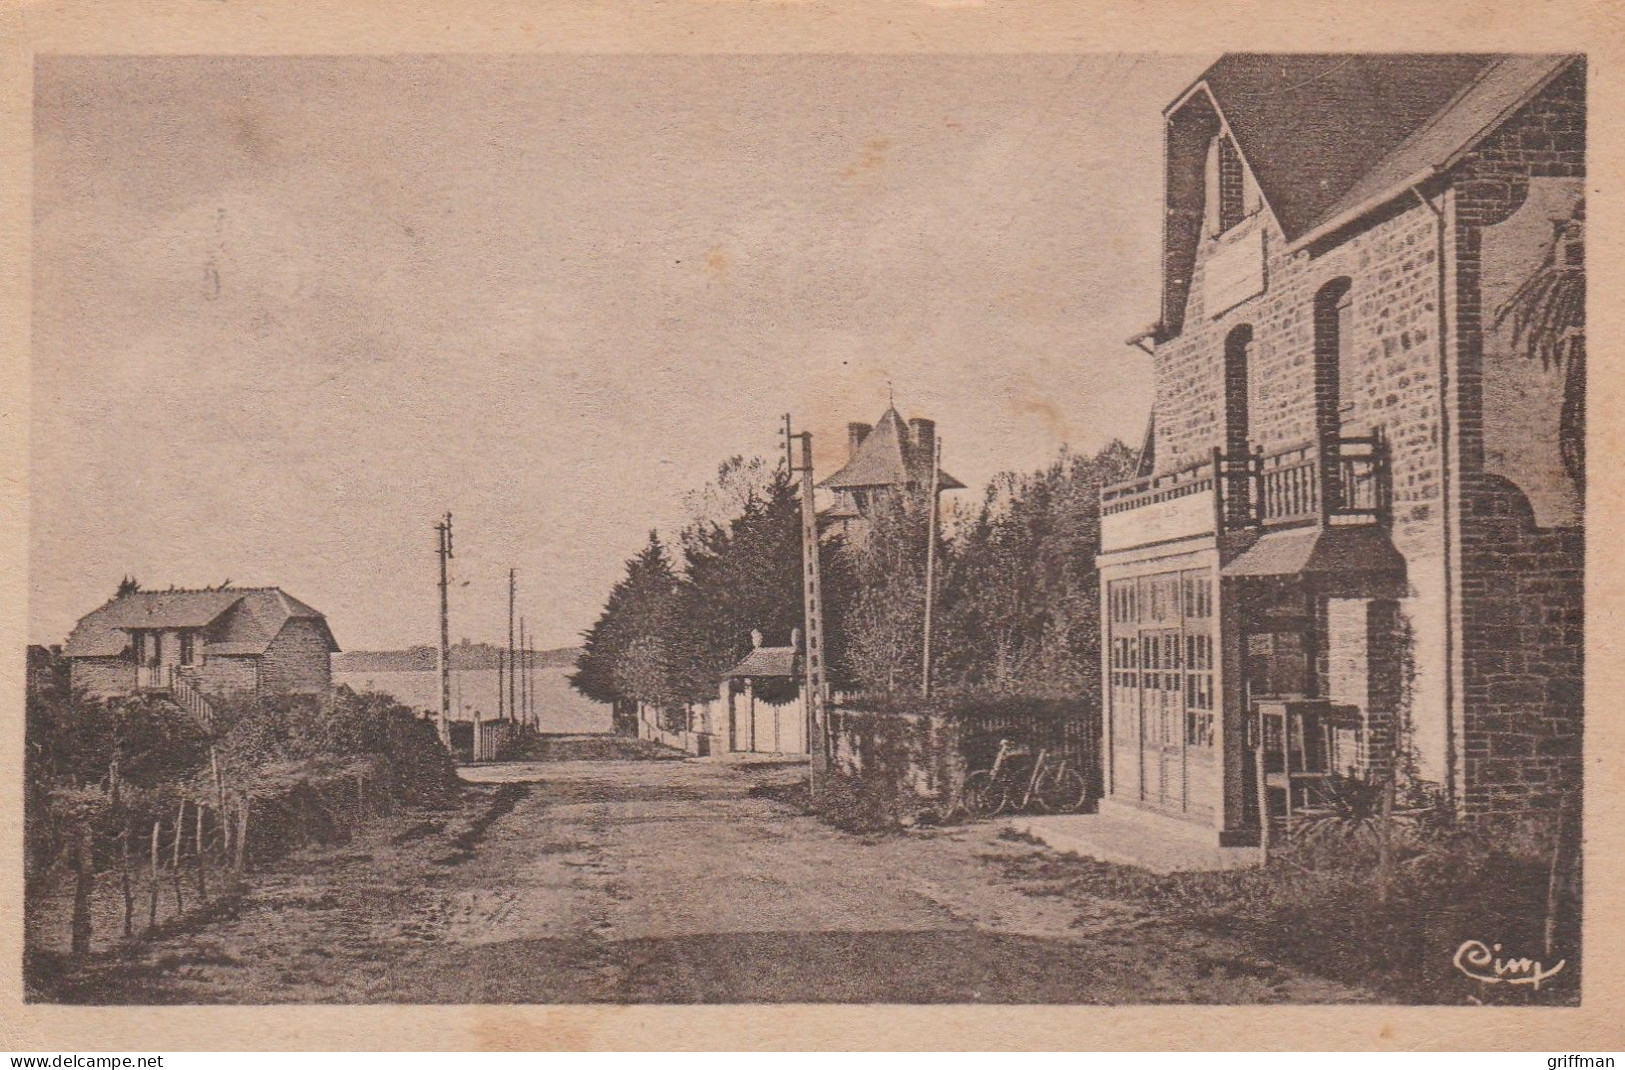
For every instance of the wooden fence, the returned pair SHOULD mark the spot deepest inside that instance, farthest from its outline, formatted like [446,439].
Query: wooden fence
[123,872]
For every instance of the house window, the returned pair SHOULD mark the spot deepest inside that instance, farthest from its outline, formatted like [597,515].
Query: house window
[1226,185]
[1334,364]
[1237,352]
[188,649]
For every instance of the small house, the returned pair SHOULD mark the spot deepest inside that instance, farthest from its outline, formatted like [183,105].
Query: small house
[217,640]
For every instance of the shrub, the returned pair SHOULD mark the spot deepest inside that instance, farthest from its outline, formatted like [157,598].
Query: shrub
[142,741]
[259,731]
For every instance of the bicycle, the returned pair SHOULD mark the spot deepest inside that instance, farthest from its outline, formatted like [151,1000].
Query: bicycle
[1049,786]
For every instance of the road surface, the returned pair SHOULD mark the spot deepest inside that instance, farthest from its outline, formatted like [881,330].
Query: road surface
[677,882]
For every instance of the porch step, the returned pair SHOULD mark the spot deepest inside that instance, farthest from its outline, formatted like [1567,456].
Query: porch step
[1128,836]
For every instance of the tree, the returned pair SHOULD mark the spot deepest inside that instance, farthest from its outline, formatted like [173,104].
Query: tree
[626,655]
[1548,317]
[1020,593]
[740,575]
[882,623]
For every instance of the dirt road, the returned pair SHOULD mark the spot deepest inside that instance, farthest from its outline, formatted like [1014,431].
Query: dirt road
[676,882]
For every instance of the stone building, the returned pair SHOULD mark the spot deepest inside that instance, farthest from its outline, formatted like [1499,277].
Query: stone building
[883,461]
[215,641]
[1358,527]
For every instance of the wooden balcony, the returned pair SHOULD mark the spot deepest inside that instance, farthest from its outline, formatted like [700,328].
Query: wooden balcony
[1344,481]
[1162,508]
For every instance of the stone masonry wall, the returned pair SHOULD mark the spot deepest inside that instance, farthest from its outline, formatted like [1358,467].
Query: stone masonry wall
[228,675]
[1393,266]
[1522,595]
[297,661]
[99,677]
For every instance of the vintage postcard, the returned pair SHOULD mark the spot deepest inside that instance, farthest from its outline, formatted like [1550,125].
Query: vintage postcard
[1001,528]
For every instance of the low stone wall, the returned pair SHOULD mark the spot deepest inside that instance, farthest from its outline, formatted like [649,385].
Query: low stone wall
[912,762]
[693,739]
[909,759]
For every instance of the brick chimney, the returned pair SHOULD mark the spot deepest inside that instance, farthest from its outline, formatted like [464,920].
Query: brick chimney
[855,434]
[922,435]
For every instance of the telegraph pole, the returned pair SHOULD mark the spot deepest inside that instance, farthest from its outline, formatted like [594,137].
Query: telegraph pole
[512,581]
[444,552]
[530,674]
[524,676]
[930,569]
[816,695]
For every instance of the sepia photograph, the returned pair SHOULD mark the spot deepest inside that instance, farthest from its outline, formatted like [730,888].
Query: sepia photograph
[1096,528]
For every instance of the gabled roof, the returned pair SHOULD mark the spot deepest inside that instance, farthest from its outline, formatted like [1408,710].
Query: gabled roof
[886,458]
[1504,87]
[766,661]
[1312,126]
[235,620]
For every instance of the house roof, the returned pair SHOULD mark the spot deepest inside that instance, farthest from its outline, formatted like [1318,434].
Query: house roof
[886,458]
[235,620]
[1317,130]
[766,661]
[1482,106]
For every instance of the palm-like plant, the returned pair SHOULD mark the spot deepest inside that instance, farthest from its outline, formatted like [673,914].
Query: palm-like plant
[1547,316]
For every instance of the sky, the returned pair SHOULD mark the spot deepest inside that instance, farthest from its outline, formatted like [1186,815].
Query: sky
[289,310]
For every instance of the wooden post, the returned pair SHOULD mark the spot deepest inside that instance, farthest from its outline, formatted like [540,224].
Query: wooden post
[124,880]
[242,834]
[445,554]
[513,581]
[202,881]
[1554,878]
[930,568]
[1385,836]
[152,883]
[1258,510]
[175,859]
[815,695]
[214,764]
[84,873]
[225,836]
[530,674]
[1263,793]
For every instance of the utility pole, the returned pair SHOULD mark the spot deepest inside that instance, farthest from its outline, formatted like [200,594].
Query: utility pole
[524,677]
[530,674]
[512,581]
[444,552]
[930,569]
[815,693]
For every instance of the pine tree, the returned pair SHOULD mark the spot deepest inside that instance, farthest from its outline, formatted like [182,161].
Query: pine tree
[623,659]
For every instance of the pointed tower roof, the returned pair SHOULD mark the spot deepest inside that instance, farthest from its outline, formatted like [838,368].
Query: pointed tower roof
[888,458]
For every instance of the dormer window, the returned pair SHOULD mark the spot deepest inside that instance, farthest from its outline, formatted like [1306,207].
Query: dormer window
[1226,185]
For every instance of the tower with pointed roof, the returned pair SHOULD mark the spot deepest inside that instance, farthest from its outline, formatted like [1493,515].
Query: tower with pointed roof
[884,460]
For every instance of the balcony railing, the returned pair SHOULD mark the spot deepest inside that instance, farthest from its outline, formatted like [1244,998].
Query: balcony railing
[1343,481]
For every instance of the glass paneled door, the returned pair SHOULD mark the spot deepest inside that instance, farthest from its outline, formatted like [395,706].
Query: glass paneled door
[1163,699]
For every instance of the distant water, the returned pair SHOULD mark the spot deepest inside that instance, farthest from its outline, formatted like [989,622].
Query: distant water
[562,707]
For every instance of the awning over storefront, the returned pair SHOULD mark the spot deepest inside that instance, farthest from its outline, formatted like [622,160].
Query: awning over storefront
[1338,561]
